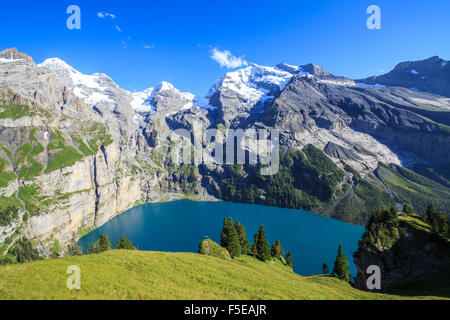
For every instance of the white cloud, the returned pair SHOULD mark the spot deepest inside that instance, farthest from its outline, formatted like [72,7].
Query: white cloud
[226,59]
[149,46]
[118,28]
[103,15]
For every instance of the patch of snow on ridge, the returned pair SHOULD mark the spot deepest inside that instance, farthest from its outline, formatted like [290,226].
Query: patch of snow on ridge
[376,85]
[338,82]
[414,72]
[203,103]
[6,60]
[141,100]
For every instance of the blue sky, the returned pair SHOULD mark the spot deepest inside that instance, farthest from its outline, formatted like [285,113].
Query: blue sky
[172,40]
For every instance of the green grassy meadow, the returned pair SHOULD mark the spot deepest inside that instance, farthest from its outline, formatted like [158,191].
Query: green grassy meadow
[140,275]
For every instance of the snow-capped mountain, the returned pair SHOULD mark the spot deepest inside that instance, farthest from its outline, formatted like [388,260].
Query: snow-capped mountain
[91,89]
[247,91]
[99,90]
[164,98]
[252,85]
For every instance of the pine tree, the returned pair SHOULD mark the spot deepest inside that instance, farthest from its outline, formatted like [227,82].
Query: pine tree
[262,245]
[289,260]
[242,234]
[74,250]
[277,250]
[341,266]
[124,243]
[230,238]
[103,243]
[253,249]
[225,234]
[325,269]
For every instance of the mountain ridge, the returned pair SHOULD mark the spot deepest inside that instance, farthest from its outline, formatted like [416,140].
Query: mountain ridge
[430,75]
[78,149]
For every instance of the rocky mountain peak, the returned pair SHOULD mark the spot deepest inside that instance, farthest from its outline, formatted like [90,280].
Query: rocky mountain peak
[430,65]
[91,89]
[163,99]
[315,70]
[247,91]
[310,68]
[13,55]
[429,75]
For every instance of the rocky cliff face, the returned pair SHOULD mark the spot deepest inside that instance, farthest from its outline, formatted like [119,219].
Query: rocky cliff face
[73,153]
[77,149]
[405,249]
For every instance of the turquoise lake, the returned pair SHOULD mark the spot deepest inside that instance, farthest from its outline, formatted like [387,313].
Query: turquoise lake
[181,225]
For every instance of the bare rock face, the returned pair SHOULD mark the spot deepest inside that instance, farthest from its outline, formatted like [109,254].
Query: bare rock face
[339,152]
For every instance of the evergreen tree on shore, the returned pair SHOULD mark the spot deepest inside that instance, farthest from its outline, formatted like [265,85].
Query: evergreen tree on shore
[277,250]
[124,244]
[104,243]
[230,238]
[242,234]
[101,245]
[289,260]
[262,245]
[341,266]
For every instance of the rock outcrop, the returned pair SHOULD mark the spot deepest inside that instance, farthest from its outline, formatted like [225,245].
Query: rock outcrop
[404,248]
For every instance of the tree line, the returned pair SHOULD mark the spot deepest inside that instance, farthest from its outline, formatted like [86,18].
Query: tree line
[104,244]
[234,239]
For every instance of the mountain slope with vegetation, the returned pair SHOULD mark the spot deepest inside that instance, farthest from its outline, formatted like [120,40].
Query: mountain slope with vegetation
[411,251]
[156,275]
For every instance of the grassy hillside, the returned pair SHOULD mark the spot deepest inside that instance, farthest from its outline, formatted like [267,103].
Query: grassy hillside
[414,189]
[156,275]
